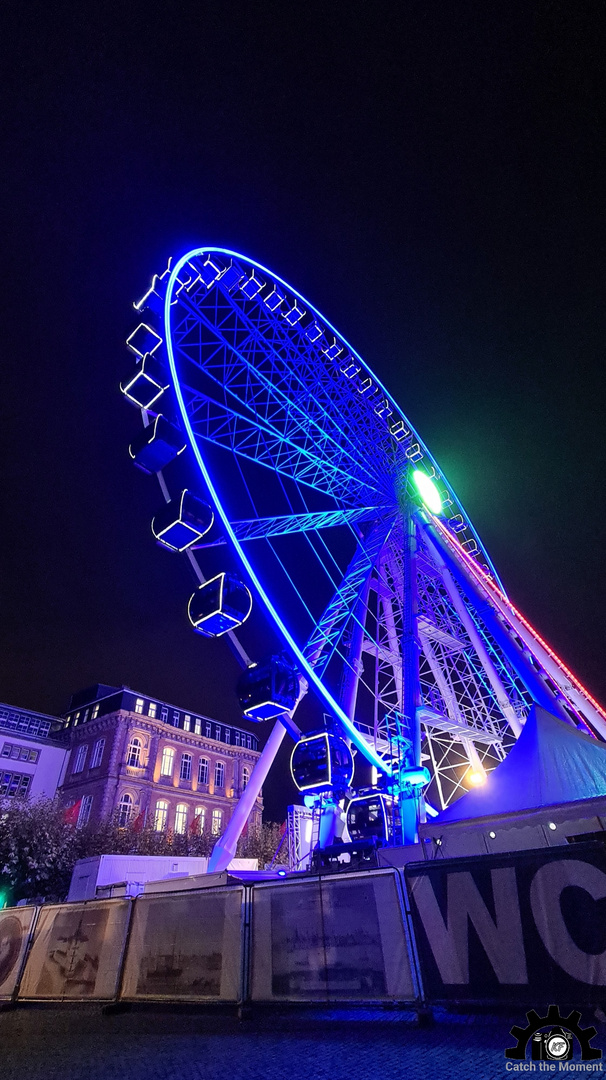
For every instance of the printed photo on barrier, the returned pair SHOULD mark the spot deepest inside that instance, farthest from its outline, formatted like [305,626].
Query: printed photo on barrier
[185,946]
[523,926]
[15,929]
[77,951]
[330,939]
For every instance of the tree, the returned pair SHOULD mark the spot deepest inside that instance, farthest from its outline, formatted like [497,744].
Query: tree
[39,849]
[267,844]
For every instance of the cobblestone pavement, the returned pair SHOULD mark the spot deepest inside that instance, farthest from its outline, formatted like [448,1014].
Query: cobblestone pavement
[80,1044]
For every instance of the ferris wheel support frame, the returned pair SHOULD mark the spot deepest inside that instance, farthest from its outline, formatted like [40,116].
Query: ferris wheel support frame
[531,679]
[501,617]
[478,644]
[568,684]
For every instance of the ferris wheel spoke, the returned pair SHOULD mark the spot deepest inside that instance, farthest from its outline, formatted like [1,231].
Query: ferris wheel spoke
[273,385]
[289,354]
[250,438]
[261,528]
[329,629]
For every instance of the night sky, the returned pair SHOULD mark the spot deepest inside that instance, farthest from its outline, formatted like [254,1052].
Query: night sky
[428,174]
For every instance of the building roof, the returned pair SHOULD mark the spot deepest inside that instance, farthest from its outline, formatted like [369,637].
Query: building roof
[28,722]
[101,700]
[551,763]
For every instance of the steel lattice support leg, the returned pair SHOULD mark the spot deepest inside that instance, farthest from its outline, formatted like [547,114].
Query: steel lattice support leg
[409,807]
[490,615]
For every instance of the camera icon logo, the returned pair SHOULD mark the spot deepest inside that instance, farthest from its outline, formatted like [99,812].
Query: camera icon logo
[555,1044]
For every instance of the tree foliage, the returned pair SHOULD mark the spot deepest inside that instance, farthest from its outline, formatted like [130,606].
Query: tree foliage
[38,849]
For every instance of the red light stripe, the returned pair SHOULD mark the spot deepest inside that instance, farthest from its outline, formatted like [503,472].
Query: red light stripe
[480,573]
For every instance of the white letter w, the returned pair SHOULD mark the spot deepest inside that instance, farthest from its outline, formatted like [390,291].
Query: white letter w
[449,940]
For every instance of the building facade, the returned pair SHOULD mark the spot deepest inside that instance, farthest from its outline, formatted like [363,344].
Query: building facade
[148,761]
[32,762]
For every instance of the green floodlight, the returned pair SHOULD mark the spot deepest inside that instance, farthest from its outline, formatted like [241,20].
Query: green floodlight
[428,491]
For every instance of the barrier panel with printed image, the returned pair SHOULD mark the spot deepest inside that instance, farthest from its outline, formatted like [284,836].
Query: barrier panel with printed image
[186,946]
[333,938]
[76,952]
[15,930]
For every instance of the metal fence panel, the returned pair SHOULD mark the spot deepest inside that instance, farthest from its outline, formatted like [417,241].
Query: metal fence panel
[185,947]
[16,926]
[338,938]
[77,951]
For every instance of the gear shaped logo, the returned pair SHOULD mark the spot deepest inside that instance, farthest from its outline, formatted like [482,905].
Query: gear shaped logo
[556,1044]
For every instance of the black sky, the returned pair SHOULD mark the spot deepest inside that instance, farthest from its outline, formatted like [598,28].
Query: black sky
[428,174]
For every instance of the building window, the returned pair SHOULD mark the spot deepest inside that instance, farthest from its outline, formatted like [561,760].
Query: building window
[209,731]
[180,818]
[203,771]
[14,784]
[164,713]
[227,735]
[245,776]
[161,815]
[218,733]
[185,770]
[187,722]
[198,726]
[97,757]
[175,719]
[19,753]
[125,810]
[152,709]
[219,775]
[237,738]
[76,718]
[85,809]
[168,761]
[216,825]
[80,758]
[199,819]
[139,706]
[248,742]
[133,754]
[85,717]
[95,712]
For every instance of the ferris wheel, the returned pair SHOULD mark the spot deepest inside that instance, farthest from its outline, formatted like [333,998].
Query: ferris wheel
[299,491]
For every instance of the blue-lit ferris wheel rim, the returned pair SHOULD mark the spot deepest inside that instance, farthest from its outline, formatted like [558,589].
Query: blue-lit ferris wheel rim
[306,667]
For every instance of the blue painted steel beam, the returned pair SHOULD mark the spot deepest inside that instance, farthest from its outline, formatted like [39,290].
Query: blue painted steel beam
[531,678]
[260,528]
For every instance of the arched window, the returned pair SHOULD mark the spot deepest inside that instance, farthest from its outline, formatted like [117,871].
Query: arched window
[161,815]
[125,810]
[219,775]
[245,776]
[80,758]
[168,760]
[133,754]
[181,818]
[199,819]
[217,820]
[97,756]
[85,809]
[203,771]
